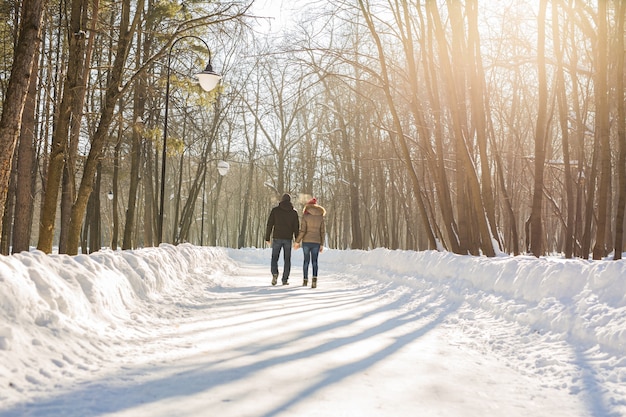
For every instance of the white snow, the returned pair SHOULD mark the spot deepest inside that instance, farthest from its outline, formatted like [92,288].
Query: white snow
[198,331]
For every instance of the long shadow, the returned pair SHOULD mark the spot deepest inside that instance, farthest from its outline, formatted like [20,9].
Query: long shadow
[107,395]
[331,300]
[345,371]
[302,308]
[381,328]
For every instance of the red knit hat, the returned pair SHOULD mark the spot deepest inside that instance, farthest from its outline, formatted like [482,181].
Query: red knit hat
[312,201]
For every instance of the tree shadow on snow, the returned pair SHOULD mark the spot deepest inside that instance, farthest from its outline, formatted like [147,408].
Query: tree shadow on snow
[109,395]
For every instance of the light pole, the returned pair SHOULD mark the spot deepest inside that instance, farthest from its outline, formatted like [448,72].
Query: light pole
[208,80]
[222,169]
[110,198]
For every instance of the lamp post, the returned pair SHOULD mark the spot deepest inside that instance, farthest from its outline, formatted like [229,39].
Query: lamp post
[222,169]
[110,198]
[208,80]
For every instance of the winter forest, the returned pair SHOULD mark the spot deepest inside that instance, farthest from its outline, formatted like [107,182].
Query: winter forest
[474,127]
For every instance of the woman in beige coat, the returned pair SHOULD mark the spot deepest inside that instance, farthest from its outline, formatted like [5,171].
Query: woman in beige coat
[312,231]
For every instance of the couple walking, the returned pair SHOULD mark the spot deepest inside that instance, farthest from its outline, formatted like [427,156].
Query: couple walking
[283,225]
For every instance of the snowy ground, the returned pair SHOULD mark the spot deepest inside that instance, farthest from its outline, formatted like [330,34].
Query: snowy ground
[191,331]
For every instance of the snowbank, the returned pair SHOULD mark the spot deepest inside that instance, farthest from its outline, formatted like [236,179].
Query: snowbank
[585,300]
[45,298]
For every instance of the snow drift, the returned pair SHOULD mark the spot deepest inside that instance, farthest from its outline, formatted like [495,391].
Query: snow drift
[56,308]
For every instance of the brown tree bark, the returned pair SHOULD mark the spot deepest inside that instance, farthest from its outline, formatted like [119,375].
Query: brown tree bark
[114,201]
[536,224]
[9,209]
[602,136]
[17,89]
[621,131]
[437,156]
[101,134]
[561,92]
[26,173]
[480,110]
[58,151]
[150,195]
[473,223]
[140,93]
[398,135]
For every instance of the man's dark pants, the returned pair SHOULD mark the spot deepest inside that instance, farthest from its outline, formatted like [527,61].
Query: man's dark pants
[285,245]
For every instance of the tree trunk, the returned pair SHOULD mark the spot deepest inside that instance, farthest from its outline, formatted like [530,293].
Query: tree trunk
[214,211]
[252,144]
[177,233]
[140,94]
[101,134]
[135,164]
[347,152]
[398,135]
[9,210]
[17,90]
[436,158]
[83,67]
[241,239]
[26,172]
[602,136]
[480,113]
[563,119]
[93,218]
[536,227]
[472,216]
[151,195]
[115,186]
[61,133]
[580,179]
[621,134]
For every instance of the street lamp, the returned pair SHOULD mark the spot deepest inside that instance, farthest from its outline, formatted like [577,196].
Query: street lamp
[223,167]
[208,80]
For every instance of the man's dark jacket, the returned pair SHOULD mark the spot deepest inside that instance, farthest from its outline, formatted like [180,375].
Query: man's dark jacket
[284,220]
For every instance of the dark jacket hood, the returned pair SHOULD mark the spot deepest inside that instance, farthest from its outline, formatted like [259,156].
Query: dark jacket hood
[285,205]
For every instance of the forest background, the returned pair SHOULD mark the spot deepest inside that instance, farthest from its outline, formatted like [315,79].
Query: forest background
[476,127]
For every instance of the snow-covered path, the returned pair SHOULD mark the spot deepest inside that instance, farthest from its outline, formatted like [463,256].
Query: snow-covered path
[229,344]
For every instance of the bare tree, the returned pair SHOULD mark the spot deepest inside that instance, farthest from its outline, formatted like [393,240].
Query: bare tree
[621,131]
[398,133]
[471,209]
[17,90]
[26,169]
[603,139]
[536,225]
[69,107]
[564,124]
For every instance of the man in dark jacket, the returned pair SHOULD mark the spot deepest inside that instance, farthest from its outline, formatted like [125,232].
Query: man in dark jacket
[284,223]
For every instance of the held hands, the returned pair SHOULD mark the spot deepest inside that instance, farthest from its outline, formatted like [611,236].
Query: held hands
[296,246]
